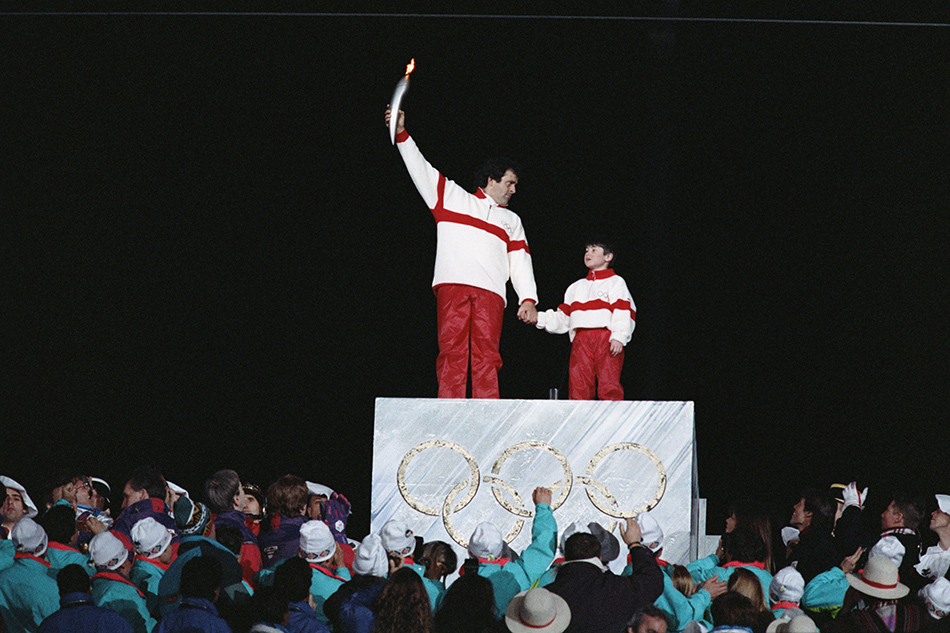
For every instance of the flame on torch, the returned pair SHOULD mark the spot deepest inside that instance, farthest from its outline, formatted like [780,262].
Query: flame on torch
[410,67]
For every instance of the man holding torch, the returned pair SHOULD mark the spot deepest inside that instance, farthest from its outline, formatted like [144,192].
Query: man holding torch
[480,246]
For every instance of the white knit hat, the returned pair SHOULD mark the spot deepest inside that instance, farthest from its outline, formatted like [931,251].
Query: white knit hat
[650,531]
[486,541]
[319,489]
[370,558]
[31,510]
[150,538]
[29,537]
[316,542]
[787,585]
[936,596]
[107,551]
[571,530]
[943,502]
[397,538]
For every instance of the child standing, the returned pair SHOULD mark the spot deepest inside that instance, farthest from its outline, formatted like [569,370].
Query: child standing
[600,315]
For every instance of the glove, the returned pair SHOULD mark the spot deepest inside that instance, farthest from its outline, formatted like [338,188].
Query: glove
[854,498]
[336,511]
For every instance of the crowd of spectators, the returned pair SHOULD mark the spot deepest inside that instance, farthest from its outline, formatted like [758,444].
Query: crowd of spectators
[236,558]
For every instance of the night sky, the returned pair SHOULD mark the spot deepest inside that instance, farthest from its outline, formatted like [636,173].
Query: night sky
[213,257]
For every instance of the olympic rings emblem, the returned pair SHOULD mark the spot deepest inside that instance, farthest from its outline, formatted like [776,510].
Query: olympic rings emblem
[562,487]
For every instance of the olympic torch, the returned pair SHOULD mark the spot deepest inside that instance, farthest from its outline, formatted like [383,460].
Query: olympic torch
[398,94]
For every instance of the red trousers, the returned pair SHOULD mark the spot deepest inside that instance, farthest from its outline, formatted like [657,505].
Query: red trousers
[590,361]
[469,320]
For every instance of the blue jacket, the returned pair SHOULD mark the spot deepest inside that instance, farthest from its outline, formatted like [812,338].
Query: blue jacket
[79,614]
[282,541]
[27,594]
[303,619]
[193,614]
[116,592]
[356,612]
[324,583]
[512,577]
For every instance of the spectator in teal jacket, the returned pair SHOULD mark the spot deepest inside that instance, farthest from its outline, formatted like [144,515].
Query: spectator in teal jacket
[740,548]
[111,586]
[27,594]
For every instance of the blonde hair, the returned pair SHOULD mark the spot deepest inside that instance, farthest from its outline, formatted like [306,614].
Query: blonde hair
[683,580]
[745,582]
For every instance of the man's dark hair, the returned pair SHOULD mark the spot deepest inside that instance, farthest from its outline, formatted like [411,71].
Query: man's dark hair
[149,479]
[230,536]
[608,249]
[73,579]
[60,477]
[822,507]
[293,578]
[911,508]
[733,609]
[200,577]
[743,545]
[220,490]
[580,546]
[59,522]
[495,168]
[646,610]
[270,605]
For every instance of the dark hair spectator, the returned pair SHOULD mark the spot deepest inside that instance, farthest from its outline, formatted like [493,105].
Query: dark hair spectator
[293,577]
[439,559]
[467,607]
[750,514]
[59,522]
[403,605]
[201,578]
[270,606]
[220,490]
[581,546]
[288,496]
[150,479]
[911,508]
[648,610]
[495,168]
[743,545]
[733,609]
[73,579]
[230,537]
[822,507]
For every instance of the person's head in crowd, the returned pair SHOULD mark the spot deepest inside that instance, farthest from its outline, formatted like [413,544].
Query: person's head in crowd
[936,597]
[815,510]
[73,579]
[201,578]
[145,482]
[581,546]
[742,545]
[787,585]
[682,580]
[59,522]
[288,496]
[256,506]
[152,540]
[103,490]
[193,518]
[573,528]
[370,558]
[318,496]
[651,533]
[86,493]
[468,606]
[940,518]
[173,492]
[439,559]
[403,604]
[878,582]
[293,578]
[649,619]
[60,487]
[29,538]
[537,611]
[224,492]
[317,544]
[733,609]
[749,513]
[109,554]
[397,539]
[904,511]
[745,582]
[17,503]
[270,606]
[609,544]
[230,537]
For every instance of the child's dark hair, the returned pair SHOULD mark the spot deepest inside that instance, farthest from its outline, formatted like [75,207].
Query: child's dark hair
[608,249]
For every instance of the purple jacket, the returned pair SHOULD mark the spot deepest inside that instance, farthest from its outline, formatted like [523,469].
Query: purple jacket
[282,541]
[154,508]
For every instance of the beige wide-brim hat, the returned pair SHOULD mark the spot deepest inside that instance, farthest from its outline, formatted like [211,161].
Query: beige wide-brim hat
[798,624]
[537,611]
[879,579]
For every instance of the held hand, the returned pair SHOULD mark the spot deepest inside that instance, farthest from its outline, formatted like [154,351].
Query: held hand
[714,586]
[400,123]
[528,313]
[541,495]
[631,532]
[615,347]
[849,563]
[95,526]
[395,562]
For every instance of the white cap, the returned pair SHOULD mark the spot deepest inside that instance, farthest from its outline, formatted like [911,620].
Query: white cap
[787,585]
[150,538]
[790,535]
[31,510]
[370,558]
[943,502]
[319,489]
[397,538]
[486,541]
[107,551]
[936,596]
[571,530]
[178,490]
[651,534]
[316,542]
[888,547]
[29,537]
